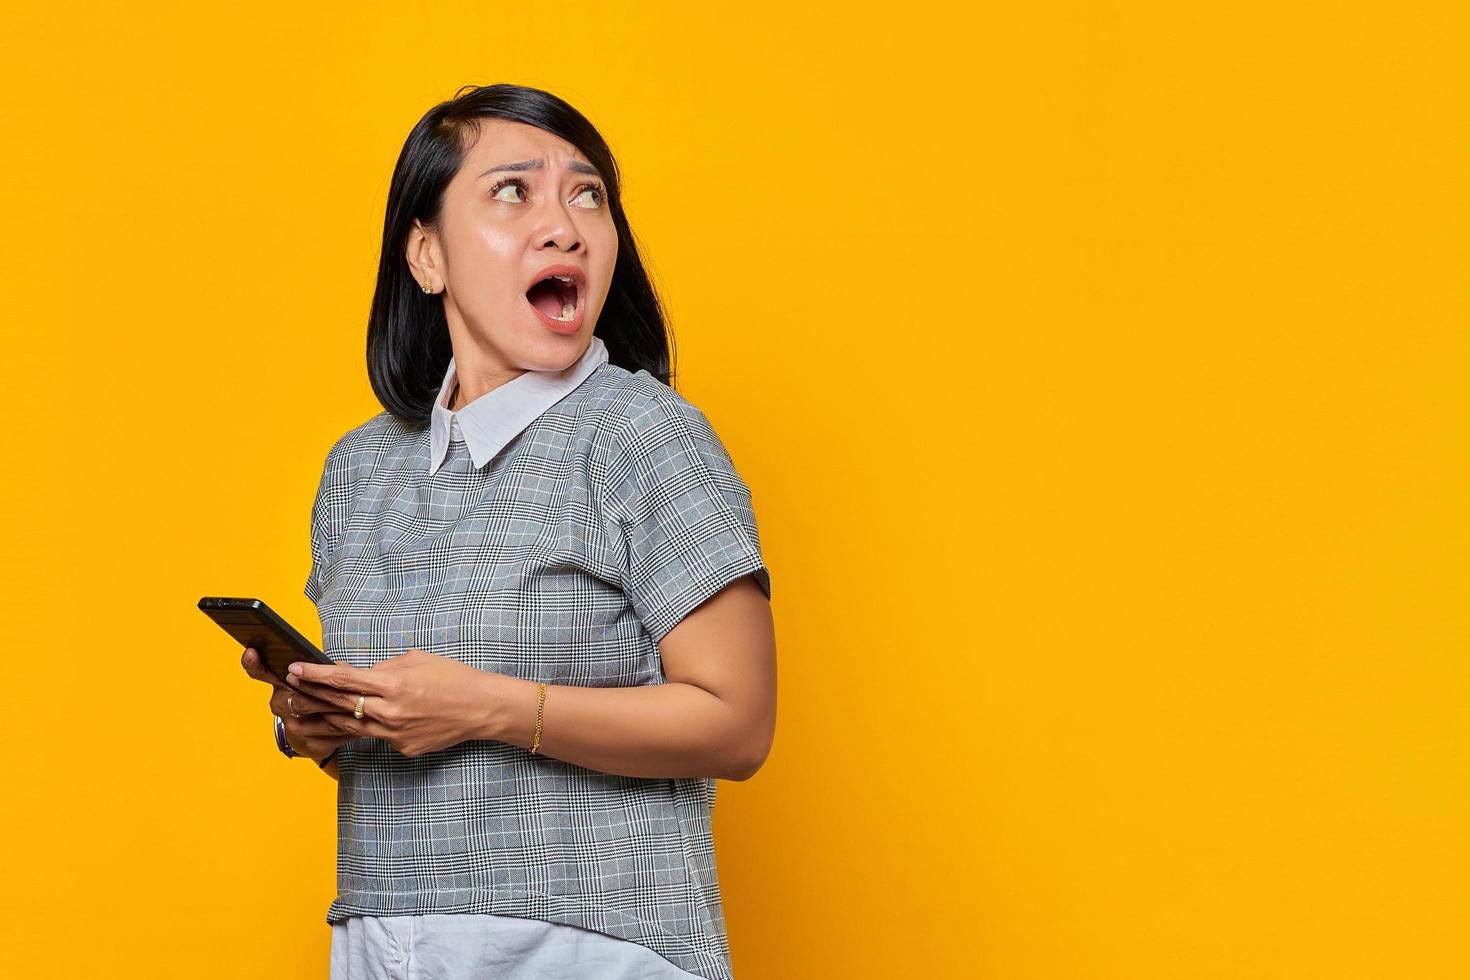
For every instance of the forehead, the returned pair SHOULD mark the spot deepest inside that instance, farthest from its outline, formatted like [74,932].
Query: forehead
[506,141]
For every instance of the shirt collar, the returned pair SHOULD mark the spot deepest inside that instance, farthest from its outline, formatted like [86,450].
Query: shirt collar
[501,414]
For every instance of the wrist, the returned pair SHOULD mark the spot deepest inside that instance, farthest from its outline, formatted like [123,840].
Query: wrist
[510,713]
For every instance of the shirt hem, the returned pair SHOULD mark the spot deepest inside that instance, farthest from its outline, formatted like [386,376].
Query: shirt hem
[698,961]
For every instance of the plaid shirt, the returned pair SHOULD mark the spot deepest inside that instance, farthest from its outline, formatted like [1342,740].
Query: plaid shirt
[583,515]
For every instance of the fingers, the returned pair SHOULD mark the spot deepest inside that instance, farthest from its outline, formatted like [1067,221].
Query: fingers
[365,726]
[345,677]
[257,669]
[328,680]
[315,738]
[284,700]
[337,700]
[319,728]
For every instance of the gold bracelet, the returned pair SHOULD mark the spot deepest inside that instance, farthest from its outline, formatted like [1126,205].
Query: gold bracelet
[540,706]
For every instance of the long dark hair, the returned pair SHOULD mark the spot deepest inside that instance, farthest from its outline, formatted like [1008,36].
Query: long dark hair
[408,347]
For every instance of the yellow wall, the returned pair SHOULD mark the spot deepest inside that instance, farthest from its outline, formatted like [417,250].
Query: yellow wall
[1098,370]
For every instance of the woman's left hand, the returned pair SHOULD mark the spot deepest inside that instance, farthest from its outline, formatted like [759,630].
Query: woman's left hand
[418,702]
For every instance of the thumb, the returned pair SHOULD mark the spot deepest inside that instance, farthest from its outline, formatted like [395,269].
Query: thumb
[256,668]
[403,660]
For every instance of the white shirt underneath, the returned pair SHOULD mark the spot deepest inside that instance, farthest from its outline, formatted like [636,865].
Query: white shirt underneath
[479,946]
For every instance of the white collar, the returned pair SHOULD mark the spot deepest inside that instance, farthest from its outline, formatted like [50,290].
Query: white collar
[501,414]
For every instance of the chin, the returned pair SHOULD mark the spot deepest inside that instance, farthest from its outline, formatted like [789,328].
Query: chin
[547,351]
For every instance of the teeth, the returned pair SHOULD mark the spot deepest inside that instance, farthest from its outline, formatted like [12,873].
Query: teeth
[568,310]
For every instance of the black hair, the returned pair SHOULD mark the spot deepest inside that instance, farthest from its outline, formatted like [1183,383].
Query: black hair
[408,346]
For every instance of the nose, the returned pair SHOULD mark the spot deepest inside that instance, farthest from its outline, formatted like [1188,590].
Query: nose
[555,227]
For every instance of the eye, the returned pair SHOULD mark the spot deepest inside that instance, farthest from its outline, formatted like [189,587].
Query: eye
[507,182]
[596,191]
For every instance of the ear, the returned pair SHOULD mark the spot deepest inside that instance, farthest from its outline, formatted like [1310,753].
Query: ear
[422,251]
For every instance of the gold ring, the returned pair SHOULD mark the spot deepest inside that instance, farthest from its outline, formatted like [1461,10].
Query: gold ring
[291,707]
[357,711]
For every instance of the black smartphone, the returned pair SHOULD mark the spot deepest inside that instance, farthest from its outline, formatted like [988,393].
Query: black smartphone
[254,624]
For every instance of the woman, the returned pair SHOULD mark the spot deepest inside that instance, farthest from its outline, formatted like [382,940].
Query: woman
[540,578]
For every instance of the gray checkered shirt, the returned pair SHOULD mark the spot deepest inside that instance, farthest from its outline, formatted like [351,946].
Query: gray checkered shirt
[581,517]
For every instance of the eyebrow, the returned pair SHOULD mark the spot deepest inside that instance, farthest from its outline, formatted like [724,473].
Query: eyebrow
[575,167]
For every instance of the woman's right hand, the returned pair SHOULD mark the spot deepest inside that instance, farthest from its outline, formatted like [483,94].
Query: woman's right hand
[310,735]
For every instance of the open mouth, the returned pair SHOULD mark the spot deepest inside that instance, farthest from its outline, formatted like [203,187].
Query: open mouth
[555,296]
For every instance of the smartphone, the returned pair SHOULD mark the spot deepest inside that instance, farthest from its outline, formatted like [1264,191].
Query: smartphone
[254,624]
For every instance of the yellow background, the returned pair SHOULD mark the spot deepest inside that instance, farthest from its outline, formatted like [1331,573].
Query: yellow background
[1097,368]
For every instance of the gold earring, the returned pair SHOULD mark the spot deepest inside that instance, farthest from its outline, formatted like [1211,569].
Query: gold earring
[426,287]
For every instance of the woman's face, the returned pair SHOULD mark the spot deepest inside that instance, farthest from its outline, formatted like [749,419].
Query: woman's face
[523,200]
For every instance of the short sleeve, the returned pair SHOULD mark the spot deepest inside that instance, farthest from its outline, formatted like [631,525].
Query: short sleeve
[331,496]
[682,519]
